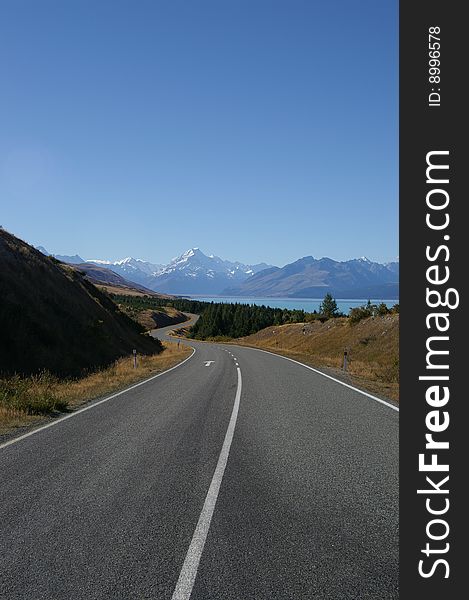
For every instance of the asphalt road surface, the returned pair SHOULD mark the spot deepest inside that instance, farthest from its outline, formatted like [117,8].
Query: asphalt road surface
[237,475]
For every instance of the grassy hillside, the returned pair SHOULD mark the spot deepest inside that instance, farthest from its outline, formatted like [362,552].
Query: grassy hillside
[372,345]
[153,319]
[129,290]
[52,318]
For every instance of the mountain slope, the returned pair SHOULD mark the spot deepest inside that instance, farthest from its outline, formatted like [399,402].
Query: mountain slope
[73,260]
[309,277]
[106,277]
[52,318]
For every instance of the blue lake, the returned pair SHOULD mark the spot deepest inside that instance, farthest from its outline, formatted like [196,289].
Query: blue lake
[307,304]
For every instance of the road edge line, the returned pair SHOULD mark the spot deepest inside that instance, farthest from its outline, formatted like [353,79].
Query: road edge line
[188,573]
[355,389]
[92,405]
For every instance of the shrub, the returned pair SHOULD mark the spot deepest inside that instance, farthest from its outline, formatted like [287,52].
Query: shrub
[35,395]
[358,313]
[383,309]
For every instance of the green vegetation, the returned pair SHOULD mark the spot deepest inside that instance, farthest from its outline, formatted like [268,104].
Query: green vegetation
[139,303]
[371,310]
[238,320]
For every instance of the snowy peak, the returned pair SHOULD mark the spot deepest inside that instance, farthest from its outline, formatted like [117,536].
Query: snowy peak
[128,260]
[128,265]
[187,254]
[98,261]
[194,272]
[194,261]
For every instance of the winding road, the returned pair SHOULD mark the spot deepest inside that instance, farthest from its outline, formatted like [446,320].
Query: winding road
[237,475]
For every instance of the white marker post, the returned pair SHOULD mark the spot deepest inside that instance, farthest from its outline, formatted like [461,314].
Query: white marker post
[135,358]
[345,360]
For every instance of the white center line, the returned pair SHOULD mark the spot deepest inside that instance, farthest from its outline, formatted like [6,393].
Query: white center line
[189,569]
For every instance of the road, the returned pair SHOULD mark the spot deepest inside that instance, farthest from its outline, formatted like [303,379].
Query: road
[237,475]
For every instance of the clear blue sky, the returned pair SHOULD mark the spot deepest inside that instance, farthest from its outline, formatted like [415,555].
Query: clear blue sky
[257,130]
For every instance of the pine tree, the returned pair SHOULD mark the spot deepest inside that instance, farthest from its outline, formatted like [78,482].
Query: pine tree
[328,307]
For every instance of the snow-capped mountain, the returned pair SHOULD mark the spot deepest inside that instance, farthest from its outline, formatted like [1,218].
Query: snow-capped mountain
[133,269]
[193,272]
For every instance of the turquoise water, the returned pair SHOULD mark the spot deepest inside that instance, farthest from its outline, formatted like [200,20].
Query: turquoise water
[307,304]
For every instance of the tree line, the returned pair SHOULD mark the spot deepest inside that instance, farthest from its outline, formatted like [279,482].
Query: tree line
[152,302]
[238,320]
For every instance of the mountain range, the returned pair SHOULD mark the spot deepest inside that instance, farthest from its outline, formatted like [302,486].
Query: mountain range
[309,277]
[195,273]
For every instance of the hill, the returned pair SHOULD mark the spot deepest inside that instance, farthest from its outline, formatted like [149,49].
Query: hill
[106,278]
[155,319]
[52,317]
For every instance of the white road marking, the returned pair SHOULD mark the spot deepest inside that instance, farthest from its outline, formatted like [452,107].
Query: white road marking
[208,362]
[189,569]
[90,406]
[396,408]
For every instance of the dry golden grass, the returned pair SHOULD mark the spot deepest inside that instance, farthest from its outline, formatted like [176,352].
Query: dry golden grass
[122,374]
[74,392]
[114,289]
[145,317]
[372,346]
[10,418]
